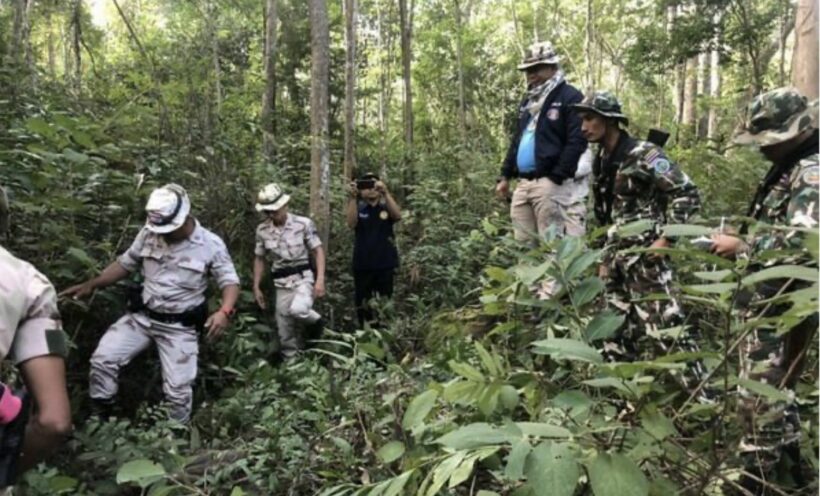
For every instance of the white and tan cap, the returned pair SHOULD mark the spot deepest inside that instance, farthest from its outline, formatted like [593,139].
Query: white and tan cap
[167,208]
[272,197]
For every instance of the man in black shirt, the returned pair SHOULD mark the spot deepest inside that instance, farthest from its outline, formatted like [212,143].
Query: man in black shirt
[371,212]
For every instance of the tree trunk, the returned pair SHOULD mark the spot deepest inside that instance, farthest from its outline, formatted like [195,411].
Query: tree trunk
[214,42]
[76,34]
[704,90]
[714,86]
[804,58]
[590,75]
[52,53]
[269,94]
[351,18]
[319,151]
[462,109]
[21,35]
[690,96]
[405,17]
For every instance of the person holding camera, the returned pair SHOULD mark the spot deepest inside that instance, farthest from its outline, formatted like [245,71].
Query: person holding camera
[31,335]
[371,212]
[176,255]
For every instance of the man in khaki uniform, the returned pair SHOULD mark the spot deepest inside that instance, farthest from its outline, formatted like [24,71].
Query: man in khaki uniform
[176,255]
[31,335]
[288,241]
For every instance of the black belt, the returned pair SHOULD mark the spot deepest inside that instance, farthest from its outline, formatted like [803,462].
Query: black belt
[530,175]
[192,317]
[289,271]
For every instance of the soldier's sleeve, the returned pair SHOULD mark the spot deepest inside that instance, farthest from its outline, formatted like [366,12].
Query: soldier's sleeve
[259,247]
[40,332]
[222,268]
[802,211]
[312,239]
[676,193]
[131,258]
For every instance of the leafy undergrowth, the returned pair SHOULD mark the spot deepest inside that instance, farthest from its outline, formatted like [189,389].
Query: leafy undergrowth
[504,394]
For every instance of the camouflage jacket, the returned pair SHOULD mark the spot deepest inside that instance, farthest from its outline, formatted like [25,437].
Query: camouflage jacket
[792,200]
[638,182]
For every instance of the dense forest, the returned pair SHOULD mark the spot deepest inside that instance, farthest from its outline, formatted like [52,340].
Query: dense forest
[472,385]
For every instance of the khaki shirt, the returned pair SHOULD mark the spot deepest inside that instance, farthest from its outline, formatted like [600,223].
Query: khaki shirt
[288,245]
[30,323]
[176,275]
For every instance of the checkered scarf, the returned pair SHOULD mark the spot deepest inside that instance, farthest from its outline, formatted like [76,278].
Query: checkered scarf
[538,94]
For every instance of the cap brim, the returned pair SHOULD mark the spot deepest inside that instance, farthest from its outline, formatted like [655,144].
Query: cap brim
[273,206]
[527,65]
[772,137]
[578,107]
[178,222]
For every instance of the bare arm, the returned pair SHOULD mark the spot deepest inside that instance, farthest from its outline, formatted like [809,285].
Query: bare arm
[219,320]
[258,272]
[319,256]
[352,213]
[391,206]
[51,424]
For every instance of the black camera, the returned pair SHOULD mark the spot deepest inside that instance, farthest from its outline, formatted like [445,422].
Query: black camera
[365,184]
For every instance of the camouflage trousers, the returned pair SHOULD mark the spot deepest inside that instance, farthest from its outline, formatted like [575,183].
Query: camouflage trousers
[770,428]
[294,308]
[133,333]
[631,279]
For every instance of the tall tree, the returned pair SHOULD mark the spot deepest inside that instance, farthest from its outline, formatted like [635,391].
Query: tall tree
[715,84]
[804,59]
[320,147]
[269,94]
[690,94]
[351,18]
[406,21]
[76,36]
[462,106]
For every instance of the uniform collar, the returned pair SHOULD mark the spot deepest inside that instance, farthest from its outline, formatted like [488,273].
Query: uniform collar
[198,234]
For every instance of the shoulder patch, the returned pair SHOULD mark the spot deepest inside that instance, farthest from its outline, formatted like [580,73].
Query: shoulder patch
[811,176]
[383,215]
[552,114]
[661,165]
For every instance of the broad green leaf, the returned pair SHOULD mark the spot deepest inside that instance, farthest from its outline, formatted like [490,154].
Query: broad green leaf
[466,370]
[475,435]
[763,389]
[657,424]
[509,397]
[540,429]
[514,470]
[812,243]
[237,491]
[419,408]
[484,492]
[498,274]
[463,471]
[616,475]
[686,230]
[461,391]
[798,272]
[74,156]
[612,382]
[443,471]
[551,469]
[635,228]
[81,256]
[529,274]
[603,326]
[143,472]
[396,487]
[714,275]
[720,288]
[40,126]
[391,451]
[489,362]
[580,264]
[572,400]
[586,291]
[568,349]
[488,398]
[62,484]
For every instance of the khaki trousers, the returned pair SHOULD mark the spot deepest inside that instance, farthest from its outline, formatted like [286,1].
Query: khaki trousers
[294,306]
[539,203]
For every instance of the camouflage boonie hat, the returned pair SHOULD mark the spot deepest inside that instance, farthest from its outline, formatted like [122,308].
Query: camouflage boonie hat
[540,53]
[777,116]
[602,103]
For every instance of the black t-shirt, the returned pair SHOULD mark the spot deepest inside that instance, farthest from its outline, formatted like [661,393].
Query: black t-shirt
[374,248]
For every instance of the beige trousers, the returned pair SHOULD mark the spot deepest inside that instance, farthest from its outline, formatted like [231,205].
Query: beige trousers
[294,306]
[539,203]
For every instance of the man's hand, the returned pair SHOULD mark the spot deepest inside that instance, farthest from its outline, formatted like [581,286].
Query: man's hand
[659,243]
[380,187]
[727,246]
[319,288]
[216,324]
[79,290]
[502,189]
[352,190]
[259,296]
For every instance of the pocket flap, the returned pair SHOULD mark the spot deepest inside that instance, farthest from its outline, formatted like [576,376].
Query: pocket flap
[194,265]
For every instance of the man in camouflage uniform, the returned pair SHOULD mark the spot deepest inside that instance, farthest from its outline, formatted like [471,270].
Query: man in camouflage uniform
[176,255]
[635,181]
[784,125]
[31,335]
[289,241]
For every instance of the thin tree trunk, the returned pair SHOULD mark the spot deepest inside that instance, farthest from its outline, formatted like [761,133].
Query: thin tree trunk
[590,74]
[462,109]
[214,42]
[52,54]
[804,71]
[351,18]
[320,151]
[690,95]
[21,31]
[269,95]
[714,86]
[704,82]
[405,18]
[77,34]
